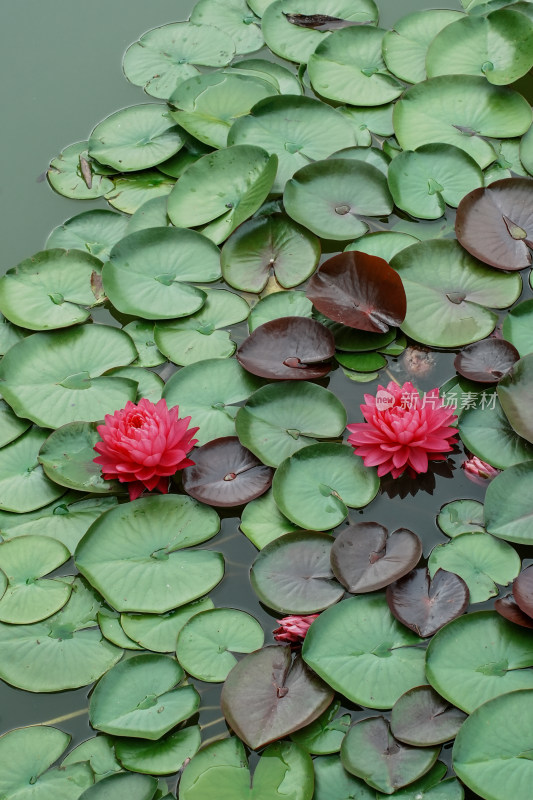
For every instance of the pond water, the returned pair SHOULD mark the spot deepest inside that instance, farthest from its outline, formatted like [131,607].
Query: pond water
[64,74]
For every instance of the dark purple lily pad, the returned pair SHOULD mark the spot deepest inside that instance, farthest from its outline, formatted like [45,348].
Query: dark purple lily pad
[226,474]
[359,290]
[486,361]
[508,607]
[293,575]
[523,590]
[422,717]
[365,558]
[371,752]
[269,694]
[321,22]
[288,348]
[425,605]
[495,224]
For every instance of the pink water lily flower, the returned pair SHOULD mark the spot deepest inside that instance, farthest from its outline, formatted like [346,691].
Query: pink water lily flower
[403,431]
[143,445]
[293,628]
[479,471]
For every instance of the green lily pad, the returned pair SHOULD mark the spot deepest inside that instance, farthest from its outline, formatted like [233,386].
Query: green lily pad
[279,304]
[23,483]
[135,138]
[477,657]
[507,162]
[370,155]
[356,341]
[234,18]
[328,197]
[28,597]
[209,392]
[65,651]
[138,567]
[368,120]
[99,752]
[142,333]
[446,305]
[492,749]
[109,623]
[526,150]
[74,174]
[152,214]
[149,273]
[298,43]
[373,666]
[518,327]
[362,362]
[509,504]
[296,129]
[285,81]
[498,46]
[487,433]
[221,769]
[333,782]
[293,574]
[266,245]
[67,457]
[164,57]
[149,384]
[461,516]
[460,110]
[130,192]
[54,378]
[139,698]
[513,392]
[315,486]
[206,642]
[480,560]
[262,521]
[326,733]
[94,232]
[405,46]
[26,755]
[222,189]
[11,426]
[259,6]
[52,289]
[123,786]
[371,752]
[424,181]
[198,336]
[281,418]
[9,334]
[348,67]
[162,757]
[159,632]
[66,519]
[208,105]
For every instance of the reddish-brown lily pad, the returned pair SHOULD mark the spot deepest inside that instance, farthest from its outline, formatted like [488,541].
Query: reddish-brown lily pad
[486,361]
[495,224]
[422,717]
[288,348]
[365,558]
[226,474]
[270,694]
[509,608]
[523,590]
[359,290]
[425,605]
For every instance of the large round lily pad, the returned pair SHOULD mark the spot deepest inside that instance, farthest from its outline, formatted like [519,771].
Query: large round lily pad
[93,232]
[23,483]
[477,657]
[293,575]
[376,663]
[132,190]
[149,273]
[447,304]
[132,554]
[296,129]
[164,57]
[55,378]
[235,19]
[509,504]
[486,432]
[518,327]
[139,698]
[11,426]
[328,197]
[159,632]
[316,485]
[222,189]
[460,110]
[513,392]
[348,67]
[135,138]
[281,418]
[65,651]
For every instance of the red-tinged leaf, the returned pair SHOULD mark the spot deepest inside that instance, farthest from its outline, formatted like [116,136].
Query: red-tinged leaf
[423,604]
